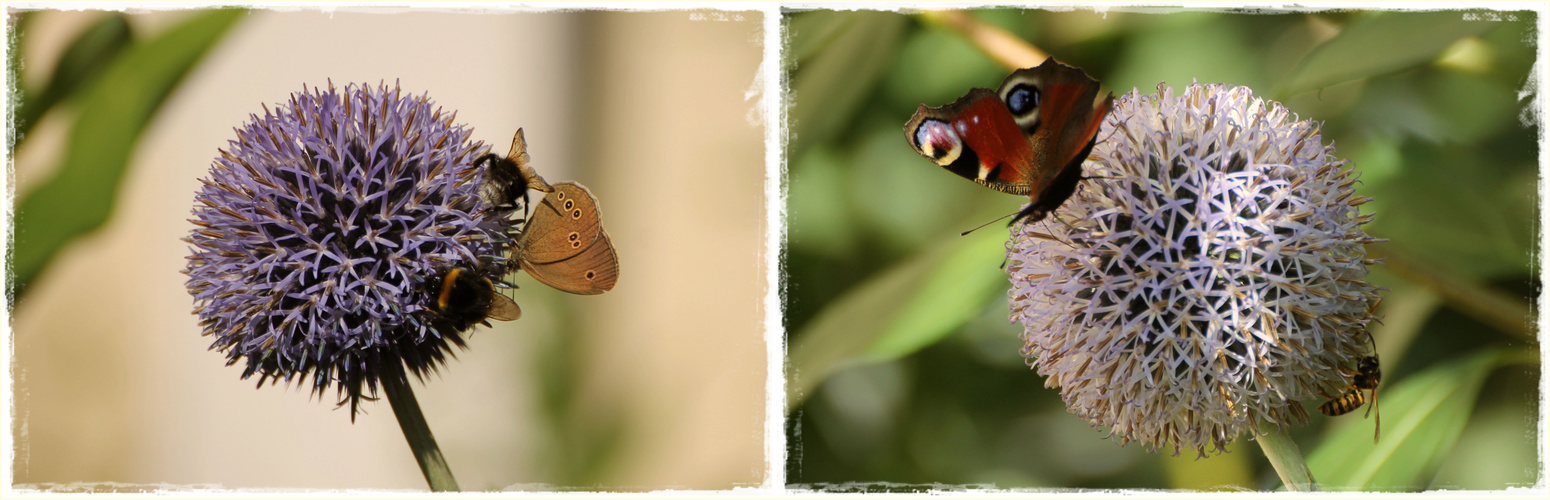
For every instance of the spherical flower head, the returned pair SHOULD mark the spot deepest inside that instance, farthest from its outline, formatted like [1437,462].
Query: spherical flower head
[1208,274]
[319,228]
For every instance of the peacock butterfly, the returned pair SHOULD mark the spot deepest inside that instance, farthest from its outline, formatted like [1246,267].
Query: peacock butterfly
[1029,137]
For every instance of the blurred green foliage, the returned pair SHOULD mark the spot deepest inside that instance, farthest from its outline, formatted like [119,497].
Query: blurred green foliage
[1427,107]
[81,61]
[117,83]
[1414,444]
[580,441]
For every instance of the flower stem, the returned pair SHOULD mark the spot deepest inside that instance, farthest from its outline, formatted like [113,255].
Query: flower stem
[407,409]
[1001,45]
[1287,461]
[1481,301]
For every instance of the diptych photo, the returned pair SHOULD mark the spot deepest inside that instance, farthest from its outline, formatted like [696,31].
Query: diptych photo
[771,249]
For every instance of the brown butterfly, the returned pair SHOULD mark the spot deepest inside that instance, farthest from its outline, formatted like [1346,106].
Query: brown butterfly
[563,243]
[1029,137]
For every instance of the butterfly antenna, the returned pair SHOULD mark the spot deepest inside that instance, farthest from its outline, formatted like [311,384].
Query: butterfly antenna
[1052,231]
[982,226]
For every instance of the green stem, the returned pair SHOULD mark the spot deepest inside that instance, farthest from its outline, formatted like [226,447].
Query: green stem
[407,409]
[1006,48]
[1287,461]
[1484,303]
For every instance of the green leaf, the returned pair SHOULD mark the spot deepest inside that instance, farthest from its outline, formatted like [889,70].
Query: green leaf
[118,106]
[1426,412]
[1378,44]
[87,56]
[828,87]
[936,66]
[813,31]
[1183,47]
[900,310]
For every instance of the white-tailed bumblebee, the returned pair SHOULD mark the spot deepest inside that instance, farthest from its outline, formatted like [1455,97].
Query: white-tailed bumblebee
[462,298]
[507,178]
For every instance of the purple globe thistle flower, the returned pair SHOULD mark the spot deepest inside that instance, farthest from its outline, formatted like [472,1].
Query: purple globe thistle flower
[1212,275]
[320,228]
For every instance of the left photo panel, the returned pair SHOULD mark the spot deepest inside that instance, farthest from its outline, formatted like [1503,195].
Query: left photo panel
[387,249]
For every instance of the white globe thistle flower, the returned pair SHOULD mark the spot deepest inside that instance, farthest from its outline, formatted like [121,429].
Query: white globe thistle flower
[1208,275]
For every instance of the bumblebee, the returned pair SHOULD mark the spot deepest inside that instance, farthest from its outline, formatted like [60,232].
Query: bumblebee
[503,185]
[463,298]
[507,178]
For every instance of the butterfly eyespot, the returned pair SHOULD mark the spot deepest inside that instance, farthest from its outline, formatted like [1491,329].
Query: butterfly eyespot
[574,236]
[1023,99]
[591,274]
[937,141]
[575,214]
[569,204]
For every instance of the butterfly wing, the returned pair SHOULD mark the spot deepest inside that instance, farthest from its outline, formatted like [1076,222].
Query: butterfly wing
[591,272]
[1052,104]
[1020,138]
[975,138]
[565,223]
[564,245]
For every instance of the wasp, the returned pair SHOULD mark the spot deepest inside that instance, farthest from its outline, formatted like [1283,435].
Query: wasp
[1368,376]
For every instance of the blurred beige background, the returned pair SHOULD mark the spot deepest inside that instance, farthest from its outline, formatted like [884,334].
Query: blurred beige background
[657,384]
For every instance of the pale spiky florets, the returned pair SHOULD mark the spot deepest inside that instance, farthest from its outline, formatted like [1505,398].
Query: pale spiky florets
[1208,275]
[318,228]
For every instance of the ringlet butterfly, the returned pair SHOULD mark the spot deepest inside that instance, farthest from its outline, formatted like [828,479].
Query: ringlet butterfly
[563,243]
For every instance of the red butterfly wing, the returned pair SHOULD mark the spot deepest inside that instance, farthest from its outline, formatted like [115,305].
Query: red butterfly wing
[1061,121]
[1024,138]
[975,138]
[1003,151]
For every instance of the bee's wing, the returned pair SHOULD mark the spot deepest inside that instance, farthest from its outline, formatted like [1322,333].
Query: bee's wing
[502,308]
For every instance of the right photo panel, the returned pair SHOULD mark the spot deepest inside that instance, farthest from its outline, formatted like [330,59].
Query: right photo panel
[1162,249]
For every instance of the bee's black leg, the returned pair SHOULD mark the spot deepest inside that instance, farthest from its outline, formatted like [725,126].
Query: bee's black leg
[487,157]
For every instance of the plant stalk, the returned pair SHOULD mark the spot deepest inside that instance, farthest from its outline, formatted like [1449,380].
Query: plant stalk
[1001,45]
[1287,461]
[412,421]
[1481,301]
